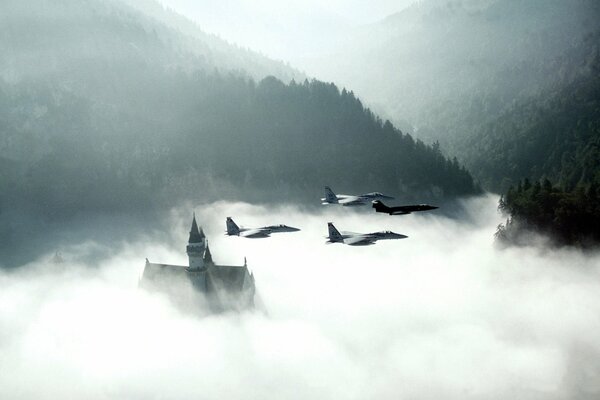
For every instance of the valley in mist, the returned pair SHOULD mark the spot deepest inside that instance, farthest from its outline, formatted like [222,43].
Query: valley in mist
[444,313]
[120,119]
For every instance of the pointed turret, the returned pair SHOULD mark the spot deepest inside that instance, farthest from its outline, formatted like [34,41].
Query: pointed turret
[196,246]
[196,236]
[207,256]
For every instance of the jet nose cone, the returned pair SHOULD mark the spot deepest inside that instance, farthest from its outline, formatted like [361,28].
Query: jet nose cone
[292,229]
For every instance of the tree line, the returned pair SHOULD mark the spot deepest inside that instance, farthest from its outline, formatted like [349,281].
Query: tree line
[569,216]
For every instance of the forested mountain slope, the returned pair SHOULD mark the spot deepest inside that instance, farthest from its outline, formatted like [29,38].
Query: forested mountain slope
[69,40]
[566,216]
[271,138]
[552,140]
[555,142]
[103,110]
[453,69]
[555,135]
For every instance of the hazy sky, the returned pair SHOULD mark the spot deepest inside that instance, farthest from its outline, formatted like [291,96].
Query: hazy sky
[287,30]
[442,314]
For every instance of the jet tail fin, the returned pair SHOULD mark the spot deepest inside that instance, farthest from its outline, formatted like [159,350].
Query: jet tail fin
[380,207]
[334,234]
[330,197]
[232,228]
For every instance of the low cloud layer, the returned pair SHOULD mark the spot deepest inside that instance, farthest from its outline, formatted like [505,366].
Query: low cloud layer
[290,30]
[442,314]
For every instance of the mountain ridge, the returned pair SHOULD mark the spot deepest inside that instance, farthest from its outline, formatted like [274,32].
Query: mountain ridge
[109,128]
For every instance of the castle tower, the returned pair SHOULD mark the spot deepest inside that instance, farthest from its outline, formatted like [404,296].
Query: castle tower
[220,287]
[196,247]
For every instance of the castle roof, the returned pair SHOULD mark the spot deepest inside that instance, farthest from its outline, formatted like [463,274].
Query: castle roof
[229,278]
[154,272]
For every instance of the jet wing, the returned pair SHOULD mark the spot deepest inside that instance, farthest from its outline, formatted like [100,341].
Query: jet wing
[361,240]
[351,201]
[256,233]
[399,212]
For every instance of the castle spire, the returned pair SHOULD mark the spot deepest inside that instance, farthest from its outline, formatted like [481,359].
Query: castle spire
[196,246]
[196,236]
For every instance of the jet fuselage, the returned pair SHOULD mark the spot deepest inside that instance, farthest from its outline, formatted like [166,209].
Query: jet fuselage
[401,210]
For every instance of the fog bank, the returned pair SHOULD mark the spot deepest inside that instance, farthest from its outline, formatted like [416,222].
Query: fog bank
[289,31]
[442,314]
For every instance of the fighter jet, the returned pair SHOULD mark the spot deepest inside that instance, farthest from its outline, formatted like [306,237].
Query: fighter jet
[359,239]
[401,210]
[349,200]
[255,233]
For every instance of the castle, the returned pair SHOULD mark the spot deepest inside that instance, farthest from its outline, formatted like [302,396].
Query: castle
[202,285]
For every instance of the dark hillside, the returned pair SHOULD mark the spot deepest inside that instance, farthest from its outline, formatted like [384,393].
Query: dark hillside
[569,217]
[105,112]
[553,135]
[457,71]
